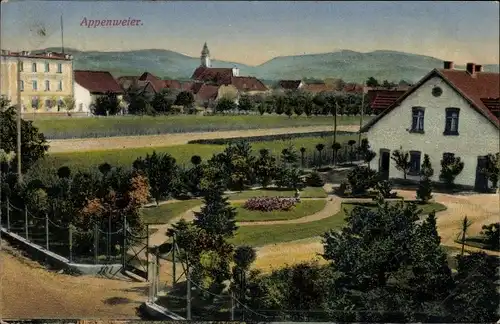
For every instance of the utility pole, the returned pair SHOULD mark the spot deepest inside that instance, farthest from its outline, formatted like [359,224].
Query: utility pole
[335,121]
[62,35]
[19,111]
[362,112]
[232,305]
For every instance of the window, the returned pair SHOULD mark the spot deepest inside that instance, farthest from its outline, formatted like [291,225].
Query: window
[60,104]
[59,68]
[451,125]
[414,163]
[80,107]
[48,104]
[33,67]
[34,103]
[47,67]
[47,85]
[21,85]
[59,87]
[21,67]
[417,122]
[35,85]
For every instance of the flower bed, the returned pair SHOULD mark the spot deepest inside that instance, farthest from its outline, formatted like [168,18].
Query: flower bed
[268,204]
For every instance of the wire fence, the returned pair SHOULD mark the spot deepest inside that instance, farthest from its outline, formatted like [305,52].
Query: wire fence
[102,243]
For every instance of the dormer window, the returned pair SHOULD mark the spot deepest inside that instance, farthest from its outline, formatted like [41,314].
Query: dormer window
[417,122]
[451,124]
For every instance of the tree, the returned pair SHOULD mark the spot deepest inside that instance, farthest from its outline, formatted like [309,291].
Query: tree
[372,82]
[262,108]
[196,160]
[466,223]
[140,105]
[265,167]
[64,172]
[185,99]
[280,103]
[225,104]
[243,258]
[314,180]
[289,110]
[492,169]
[106,105]
[105,168]
[319,148]
[361,178]
[162,101]
[424,191]
[383,260]
[369,156]
[451,167]
[351,145]
[335,149]
[475,298]
[33,142]
[216,217]
[302,156]
[308,106]
[162,172]
[68,103]
[491,235]
[402,161]
[246,103]
[289,155]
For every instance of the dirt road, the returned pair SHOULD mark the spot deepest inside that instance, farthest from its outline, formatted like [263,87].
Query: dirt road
[122,142]
[27,290]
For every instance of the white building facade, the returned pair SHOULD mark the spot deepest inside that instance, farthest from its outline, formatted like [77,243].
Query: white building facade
[437,118]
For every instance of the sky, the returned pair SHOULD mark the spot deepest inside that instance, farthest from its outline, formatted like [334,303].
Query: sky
[254,32]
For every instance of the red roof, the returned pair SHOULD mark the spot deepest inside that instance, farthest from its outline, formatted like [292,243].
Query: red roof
[382,99]
[156,83]
[187,86]
[353,87]
[172,84]
[481,90]
[289,84]
[318,88]
[98,82]
[215,75]
[207,92]
[248,84]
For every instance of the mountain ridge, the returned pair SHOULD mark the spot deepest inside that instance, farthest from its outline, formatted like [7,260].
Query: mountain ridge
[351,66]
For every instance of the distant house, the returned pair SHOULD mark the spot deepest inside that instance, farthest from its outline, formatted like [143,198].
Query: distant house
[447,113]
[89,85]
[290,84]
[316,88]
[379,100]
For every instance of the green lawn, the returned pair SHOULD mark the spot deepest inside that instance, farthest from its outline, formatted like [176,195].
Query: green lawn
[182,153]
[91,127]
[302,209]
[166,212]
[307,192]
[269,234]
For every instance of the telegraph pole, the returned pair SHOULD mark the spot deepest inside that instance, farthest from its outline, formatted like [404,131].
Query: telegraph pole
[188,297]
[19,111]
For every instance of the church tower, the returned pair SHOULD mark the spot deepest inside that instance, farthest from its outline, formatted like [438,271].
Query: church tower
[205,56]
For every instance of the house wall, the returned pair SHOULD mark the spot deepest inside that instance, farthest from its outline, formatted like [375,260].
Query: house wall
[8,78]
[477,135]
[83,99]
[28,76]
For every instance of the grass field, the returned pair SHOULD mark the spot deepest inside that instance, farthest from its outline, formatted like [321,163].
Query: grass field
[302,209]
[307,192]
[166,212]
[270,234]
[92,127]
[182,153]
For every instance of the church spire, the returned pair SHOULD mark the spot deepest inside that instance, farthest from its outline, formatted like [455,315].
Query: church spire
[205,56]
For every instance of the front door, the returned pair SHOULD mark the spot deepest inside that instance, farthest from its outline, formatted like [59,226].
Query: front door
[481,184]
[384,164]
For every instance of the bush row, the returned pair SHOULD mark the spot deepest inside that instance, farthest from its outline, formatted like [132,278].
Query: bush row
[266,138]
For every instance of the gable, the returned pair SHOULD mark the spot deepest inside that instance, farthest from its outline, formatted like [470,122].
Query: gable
[436,77]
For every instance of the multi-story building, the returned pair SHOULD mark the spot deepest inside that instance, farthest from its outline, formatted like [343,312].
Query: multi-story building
[45,80]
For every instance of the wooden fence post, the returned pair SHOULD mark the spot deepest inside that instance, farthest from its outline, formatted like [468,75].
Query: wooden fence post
[8,215]
[96,244]
[70,242]
[26,221]
[47,231]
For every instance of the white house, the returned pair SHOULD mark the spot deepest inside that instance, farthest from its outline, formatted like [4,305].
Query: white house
[448,112]
[89,85]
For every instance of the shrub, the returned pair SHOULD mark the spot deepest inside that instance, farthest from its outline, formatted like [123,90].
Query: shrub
[451,167]
[314,180]
[361,178]
[491,233]
[424,190]
[267,204]
[402,161]
[289,178]
[344,189]
[492,169]
[384,188]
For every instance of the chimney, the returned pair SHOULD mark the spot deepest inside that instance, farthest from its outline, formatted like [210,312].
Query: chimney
[448,65]
[479,68]
[236,71]
[471,68]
